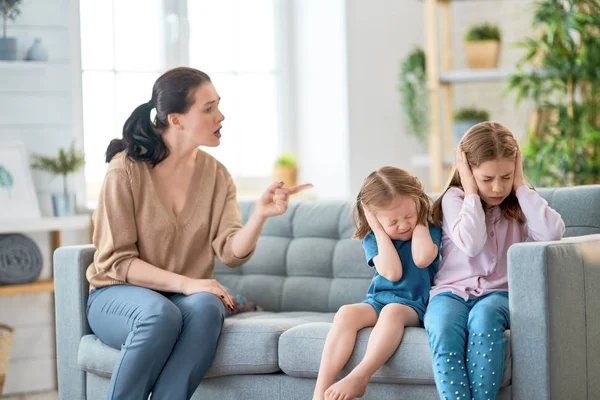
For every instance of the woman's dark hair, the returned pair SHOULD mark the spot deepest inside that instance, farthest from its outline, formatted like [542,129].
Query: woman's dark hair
[173,92]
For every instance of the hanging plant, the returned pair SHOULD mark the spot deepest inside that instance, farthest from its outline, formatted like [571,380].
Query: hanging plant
[412,86]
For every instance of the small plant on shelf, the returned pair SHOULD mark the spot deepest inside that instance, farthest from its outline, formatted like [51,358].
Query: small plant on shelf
[464,119]
[471,114]
[482,46]
[286,169]
[65,163]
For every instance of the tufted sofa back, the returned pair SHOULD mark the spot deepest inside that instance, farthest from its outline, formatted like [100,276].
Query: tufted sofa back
[306,260]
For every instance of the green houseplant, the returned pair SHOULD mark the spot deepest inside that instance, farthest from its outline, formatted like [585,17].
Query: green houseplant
[566,148]
[412,86]
[9,10]
[464,119]
[67,162]
[286,169]
[482,46]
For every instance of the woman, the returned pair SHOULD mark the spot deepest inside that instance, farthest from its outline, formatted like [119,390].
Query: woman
[166,209]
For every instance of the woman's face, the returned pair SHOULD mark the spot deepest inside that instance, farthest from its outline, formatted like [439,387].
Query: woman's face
[202,123]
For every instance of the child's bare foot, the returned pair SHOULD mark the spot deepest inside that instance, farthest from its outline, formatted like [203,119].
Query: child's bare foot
[351,387]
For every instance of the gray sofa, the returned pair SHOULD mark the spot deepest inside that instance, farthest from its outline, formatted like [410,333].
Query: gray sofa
[306,266]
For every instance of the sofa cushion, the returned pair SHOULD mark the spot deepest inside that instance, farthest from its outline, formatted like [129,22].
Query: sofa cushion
[300,350]
[248,344]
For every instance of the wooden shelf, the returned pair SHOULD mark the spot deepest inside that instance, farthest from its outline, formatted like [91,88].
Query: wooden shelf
[474,75]
[41,286]
[44,224]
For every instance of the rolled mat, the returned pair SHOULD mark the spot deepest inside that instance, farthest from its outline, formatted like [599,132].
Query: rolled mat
[20,259]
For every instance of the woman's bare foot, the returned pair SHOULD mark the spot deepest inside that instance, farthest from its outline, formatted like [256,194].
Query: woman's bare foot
[351,387]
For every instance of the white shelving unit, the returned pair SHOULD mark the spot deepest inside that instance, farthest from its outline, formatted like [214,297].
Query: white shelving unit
[469,75]
[45,224]
[55,226]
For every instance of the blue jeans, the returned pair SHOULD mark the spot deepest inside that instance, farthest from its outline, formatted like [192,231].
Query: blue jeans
[467,343]
[167,340]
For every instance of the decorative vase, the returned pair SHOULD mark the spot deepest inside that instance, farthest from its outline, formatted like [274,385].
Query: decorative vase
[64,205]
[6,338]
[288,175]
[8,49]
[37,51]
[482,54]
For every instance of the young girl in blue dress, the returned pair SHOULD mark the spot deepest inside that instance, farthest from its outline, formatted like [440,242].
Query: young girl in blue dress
[392,219]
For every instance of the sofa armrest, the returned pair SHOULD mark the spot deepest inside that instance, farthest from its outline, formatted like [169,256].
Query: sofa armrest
[555,320]
[70,293]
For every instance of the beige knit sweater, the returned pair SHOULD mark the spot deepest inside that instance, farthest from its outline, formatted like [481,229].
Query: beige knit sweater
[131,221]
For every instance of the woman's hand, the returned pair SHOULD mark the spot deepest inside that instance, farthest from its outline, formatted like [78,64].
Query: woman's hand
[519,179]
[467,179]
[373,222]
[275,199]
[192,286]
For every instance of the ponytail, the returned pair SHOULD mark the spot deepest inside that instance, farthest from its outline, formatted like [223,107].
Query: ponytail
[140,139]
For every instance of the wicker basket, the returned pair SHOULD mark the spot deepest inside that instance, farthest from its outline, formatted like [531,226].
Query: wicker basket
[6,338]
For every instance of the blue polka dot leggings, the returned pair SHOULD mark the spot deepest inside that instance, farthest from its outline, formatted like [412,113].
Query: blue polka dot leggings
[468,345]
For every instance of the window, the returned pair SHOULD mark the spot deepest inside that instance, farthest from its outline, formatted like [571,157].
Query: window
[233,41]
[127,44]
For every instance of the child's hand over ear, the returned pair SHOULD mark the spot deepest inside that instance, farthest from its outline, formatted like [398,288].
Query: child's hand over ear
[519,179]
[466,175]
[373,221]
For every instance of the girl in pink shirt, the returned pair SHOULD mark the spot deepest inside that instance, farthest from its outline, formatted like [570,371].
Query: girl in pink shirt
[486,208]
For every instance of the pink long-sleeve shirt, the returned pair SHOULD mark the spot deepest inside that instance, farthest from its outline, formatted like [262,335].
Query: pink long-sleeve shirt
[475,241]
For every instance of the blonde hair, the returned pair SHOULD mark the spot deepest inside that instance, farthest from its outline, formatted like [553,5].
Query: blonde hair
[378,191]
[486,141]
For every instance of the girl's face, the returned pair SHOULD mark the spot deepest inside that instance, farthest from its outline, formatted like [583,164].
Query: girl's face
[201,125]
[399,218]
[494,180]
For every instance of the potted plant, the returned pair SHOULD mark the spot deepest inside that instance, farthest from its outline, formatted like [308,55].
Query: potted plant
[482,46]
[412,86]
[285,169]
[9,10]
[464,119]
[565,148]
[67,162]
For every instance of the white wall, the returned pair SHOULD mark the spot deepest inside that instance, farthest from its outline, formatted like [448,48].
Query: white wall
[380,33]
[376,36]
[40,104]
[319,68]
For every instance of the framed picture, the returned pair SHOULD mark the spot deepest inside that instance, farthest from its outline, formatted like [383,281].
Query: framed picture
[17,193]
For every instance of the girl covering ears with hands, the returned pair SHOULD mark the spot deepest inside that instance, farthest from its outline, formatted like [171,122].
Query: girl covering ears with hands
[486,208]
[392,219]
